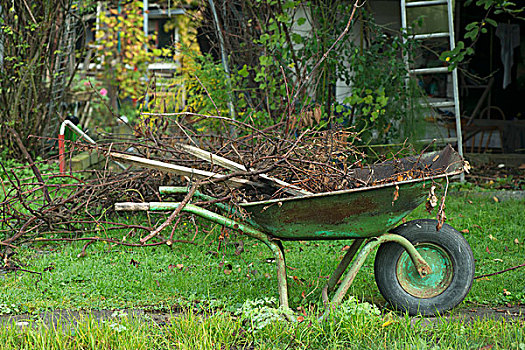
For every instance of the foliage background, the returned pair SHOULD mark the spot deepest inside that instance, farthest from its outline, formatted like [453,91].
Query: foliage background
[29,34]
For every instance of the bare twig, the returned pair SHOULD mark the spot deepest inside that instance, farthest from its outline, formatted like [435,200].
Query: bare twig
[173,215]
[500,272]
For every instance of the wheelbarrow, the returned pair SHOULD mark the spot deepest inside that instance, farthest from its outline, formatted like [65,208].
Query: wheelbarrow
[418,268]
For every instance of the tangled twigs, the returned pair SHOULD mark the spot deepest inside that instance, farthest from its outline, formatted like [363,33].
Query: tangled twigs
[173,215]
[108,240]
[26,154]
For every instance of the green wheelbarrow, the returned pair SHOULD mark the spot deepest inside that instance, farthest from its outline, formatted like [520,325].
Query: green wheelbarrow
[418,269]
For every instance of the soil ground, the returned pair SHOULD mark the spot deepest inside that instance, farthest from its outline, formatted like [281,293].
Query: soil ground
[65,317]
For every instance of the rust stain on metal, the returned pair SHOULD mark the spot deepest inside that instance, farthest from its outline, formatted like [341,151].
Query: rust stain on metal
[423,268]
[315,213]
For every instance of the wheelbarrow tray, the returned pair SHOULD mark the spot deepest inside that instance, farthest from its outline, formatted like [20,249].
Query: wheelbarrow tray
[356,213]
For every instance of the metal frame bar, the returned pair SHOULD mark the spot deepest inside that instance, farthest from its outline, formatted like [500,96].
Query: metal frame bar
[434,70]
[426,3]
[421,265]
[430,36]
[340,269]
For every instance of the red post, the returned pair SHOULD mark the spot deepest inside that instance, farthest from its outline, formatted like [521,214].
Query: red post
[61,155]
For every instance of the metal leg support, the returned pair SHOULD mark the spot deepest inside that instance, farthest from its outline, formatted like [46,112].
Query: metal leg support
[418,261]
[282,284]
[340,269]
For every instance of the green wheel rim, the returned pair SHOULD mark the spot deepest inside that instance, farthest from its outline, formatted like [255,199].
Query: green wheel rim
[432,284]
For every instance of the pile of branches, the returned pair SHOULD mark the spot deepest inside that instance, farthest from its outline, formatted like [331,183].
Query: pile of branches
[272,162]
[236,163]
[248,164]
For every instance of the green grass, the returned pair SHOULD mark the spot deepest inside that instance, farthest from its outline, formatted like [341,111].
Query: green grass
[161,277]
[206,279]
[223,331]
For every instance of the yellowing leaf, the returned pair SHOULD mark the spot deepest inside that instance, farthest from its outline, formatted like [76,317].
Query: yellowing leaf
[387,323]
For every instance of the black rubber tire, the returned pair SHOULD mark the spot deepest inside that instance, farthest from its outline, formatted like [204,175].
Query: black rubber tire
[424,233]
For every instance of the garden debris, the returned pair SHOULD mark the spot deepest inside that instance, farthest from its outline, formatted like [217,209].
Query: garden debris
[489,175]
[234,162]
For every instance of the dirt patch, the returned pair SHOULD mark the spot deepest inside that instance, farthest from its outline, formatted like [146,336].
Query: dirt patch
[65,319]
[500,313]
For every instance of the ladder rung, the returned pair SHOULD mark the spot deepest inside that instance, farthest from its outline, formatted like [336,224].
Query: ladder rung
[444,140]
[439,104]
[431,35]
[429,70]
[426,3]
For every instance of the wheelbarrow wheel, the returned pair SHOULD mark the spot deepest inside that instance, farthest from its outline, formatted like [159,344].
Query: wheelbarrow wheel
[449,256]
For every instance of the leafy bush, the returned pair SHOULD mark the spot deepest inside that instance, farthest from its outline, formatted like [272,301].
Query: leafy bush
[287,81]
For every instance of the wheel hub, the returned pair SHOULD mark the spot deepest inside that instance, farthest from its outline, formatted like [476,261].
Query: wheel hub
[433,283]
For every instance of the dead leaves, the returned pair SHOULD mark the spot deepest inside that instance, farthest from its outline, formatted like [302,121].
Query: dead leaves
[396,194]
[176,266]
[466,166]
[228,269]
[441,216]
[432,200]
[487,347]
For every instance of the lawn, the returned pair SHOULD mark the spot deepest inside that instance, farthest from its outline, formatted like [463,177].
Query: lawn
[210,278]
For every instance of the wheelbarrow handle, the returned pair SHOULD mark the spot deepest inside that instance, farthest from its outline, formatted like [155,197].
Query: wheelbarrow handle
[184,190]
